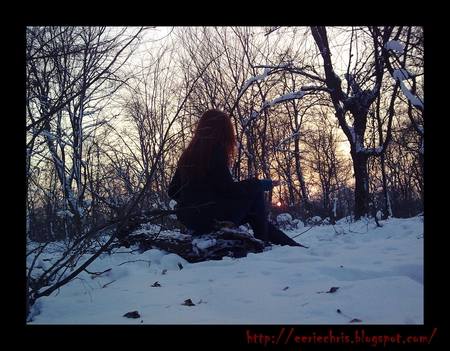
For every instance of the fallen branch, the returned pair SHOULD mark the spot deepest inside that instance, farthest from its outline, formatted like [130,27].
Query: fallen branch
[223,242]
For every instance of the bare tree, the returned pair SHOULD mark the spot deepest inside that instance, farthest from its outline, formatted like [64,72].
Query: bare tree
[327,163]
[364,89]
[363,99]
[152,98]
[71,74]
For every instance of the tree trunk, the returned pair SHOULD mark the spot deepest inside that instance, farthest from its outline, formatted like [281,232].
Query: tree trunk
[387,210]
[362,199]
[304,194]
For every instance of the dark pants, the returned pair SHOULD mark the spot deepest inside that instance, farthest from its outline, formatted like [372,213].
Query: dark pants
[255,208]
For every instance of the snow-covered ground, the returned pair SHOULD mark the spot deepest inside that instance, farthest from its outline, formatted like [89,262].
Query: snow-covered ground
[379,273]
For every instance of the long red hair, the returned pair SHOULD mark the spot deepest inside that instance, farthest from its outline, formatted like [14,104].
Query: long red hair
[213,127]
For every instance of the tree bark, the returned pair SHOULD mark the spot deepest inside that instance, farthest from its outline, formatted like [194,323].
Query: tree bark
[224,242]
[362,198]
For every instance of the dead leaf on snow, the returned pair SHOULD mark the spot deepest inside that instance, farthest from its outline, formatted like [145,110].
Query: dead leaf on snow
[333,289]
[188,302]
[133,314]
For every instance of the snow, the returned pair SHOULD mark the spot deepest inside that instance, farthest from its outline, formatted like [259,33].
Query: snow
[254,79]
[378,272]
[394,45]
[289,96]
[401,75]
[284,217]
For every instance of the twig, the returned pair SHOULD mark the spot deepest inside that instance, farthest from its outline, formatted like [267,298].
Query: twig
[105,285]
[84,281]
[97,274]
[302,232]
[352,320]
[149,262]
[271,30]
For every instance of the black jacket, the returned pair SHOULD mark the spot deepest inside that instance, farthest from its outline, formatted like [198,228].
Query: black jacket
[216,196]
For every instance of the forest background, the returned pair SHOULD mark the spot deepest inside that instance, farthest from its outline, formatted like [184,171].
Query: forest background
[334,113]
